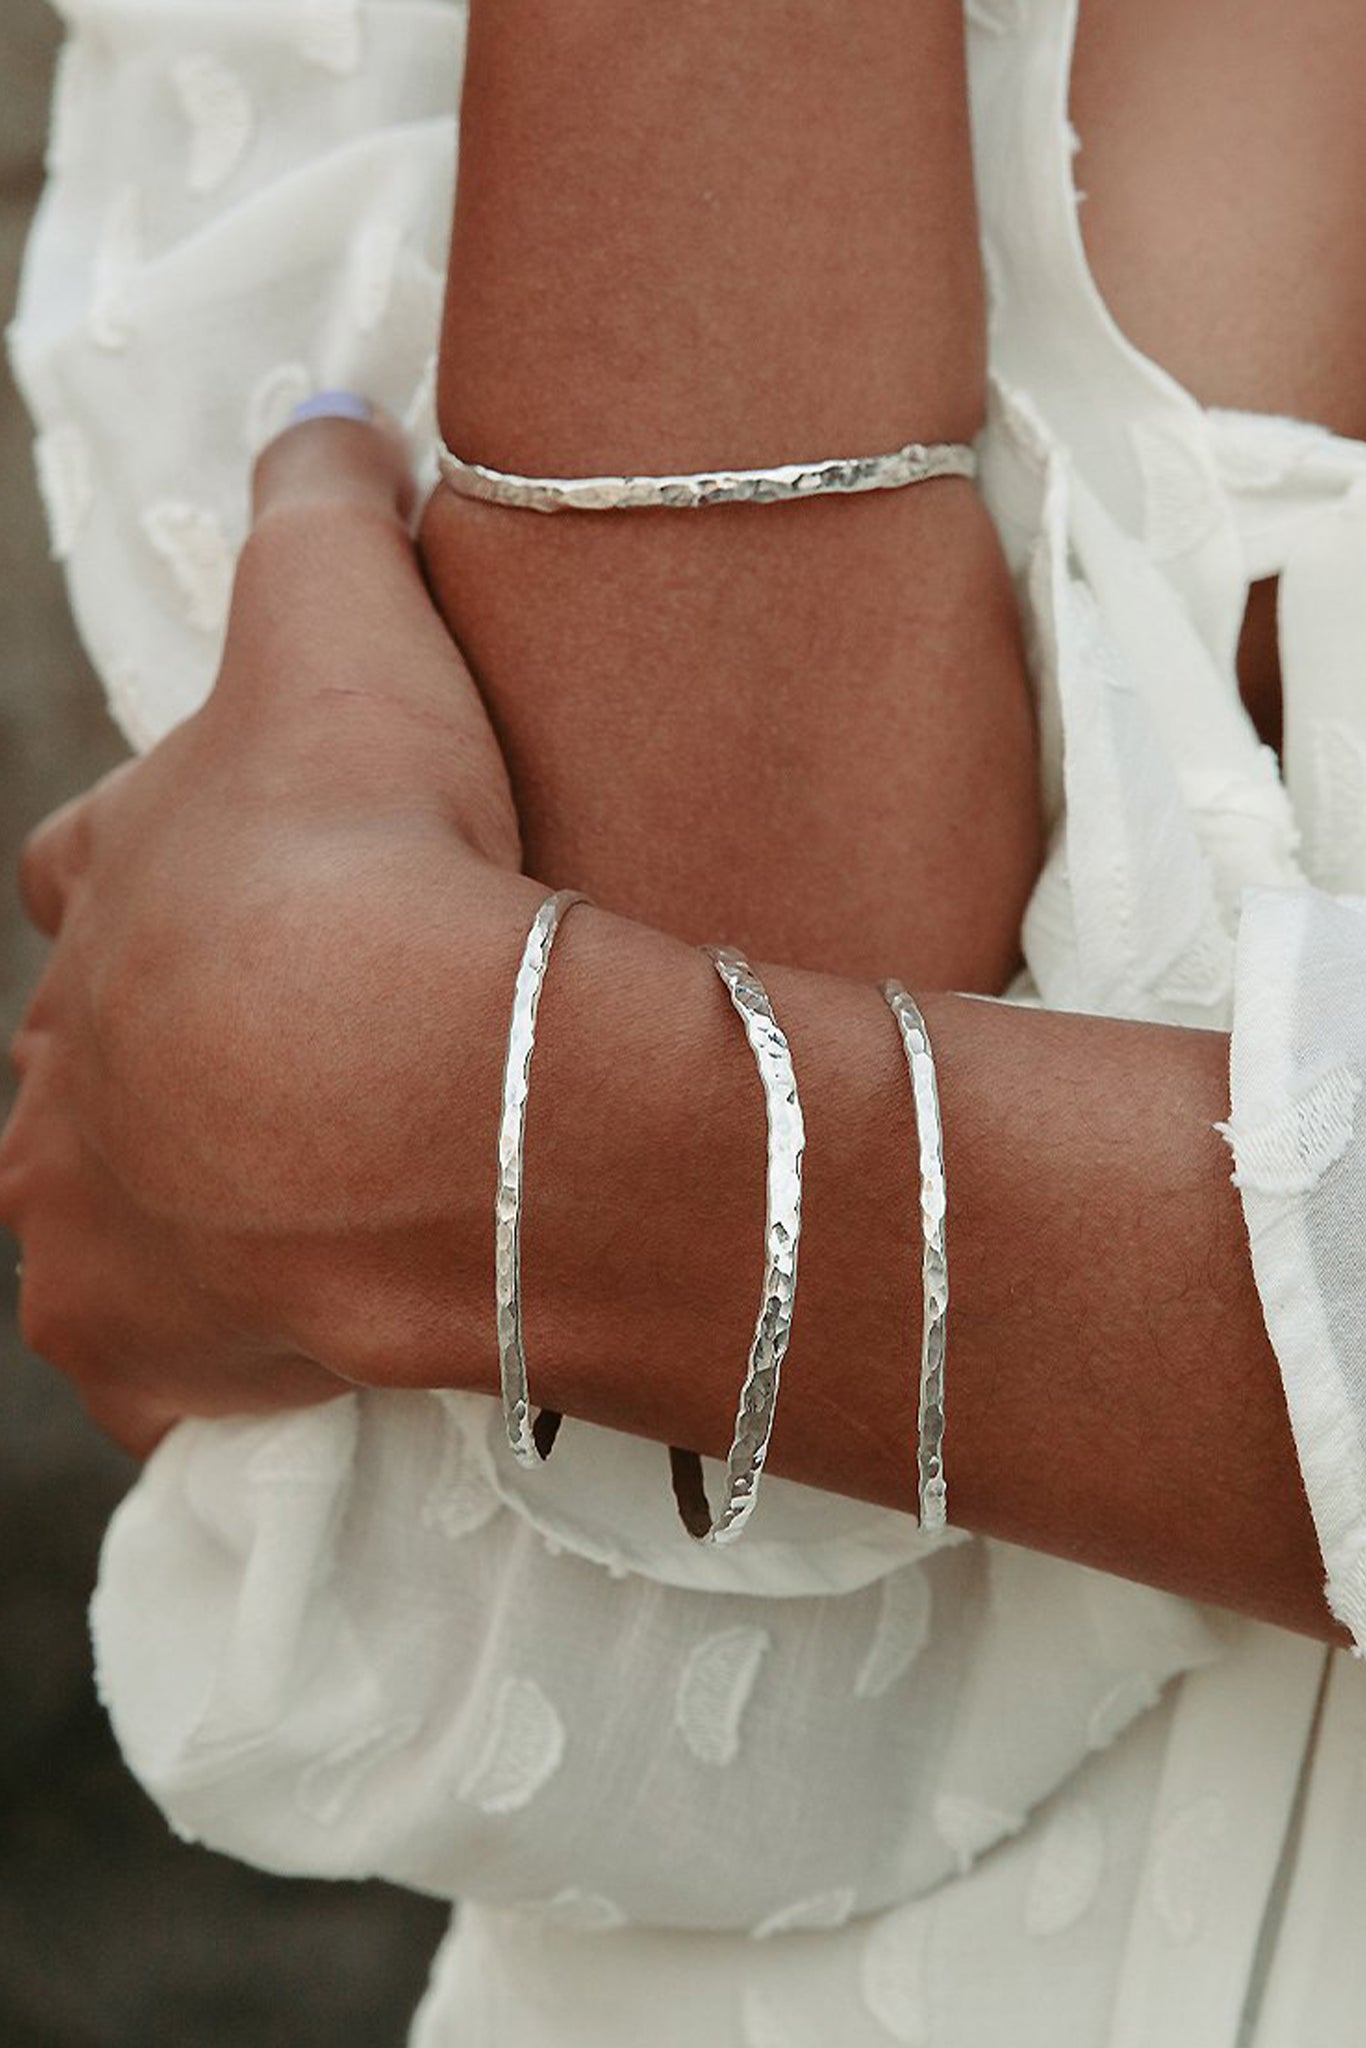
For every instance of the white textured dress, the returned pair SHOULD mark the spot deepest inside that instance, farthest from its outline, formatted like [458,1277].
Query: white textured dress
[839,1784]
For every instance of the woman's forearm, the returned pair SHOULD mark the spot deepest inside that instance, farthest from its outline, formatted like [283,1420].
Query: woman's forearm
[805,728]
[1112,1396]
[711,234]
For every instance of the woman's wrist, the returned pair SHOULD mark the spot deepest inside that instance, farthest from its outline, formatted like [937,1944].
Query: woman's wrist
[782,728]
[643,1211]
[643,1208]
[1087,1375]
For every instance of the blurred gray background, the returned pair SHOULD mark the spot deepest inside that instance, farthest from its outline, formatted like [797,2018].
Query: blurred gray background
[112,1934]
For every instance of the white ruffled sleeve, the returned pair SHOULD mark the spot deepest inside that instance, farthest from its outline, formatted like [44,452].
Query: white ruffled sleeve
[247,201]
[1299,1059]
[328,1645]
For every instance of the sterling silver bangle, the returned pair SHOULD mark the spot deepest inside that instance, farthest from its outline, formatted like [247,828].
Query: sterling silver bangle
[934,1263]
[530,1442]
[916,463]
[782,1234]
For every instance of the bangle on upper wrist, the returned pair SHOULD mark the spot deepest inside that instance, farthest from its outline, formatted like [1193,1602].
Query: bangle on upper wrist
[913,463]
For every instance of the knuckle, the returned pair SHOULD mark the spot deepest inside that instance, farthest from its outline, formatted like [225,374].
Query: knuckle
[33,867]
[129,1423]
[39,891]
[12,1185]
[29,1037]
[49,1324]
[52,857]
[61,839]
[15,1173]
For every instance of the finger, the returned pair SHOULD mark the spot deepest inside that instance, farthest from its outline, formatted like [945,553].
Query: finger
[13,1163]
[337,449]
[54,856]
[57,852]
[332,624]
[321,593]
[95,1307]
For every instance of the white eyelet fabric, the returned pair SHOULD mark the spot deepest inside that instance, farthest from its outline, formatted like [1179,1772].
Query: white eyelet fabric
[1000,1801]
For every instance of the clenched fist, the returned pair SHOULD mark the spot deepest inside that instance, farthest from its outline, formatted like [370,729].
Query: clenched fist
[262,1062]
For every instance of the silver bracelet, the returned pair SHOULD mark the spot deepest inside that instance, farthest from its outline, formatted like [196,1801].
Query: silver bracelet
[530,1442]
[934,1264]
[782,1235]
[916,463]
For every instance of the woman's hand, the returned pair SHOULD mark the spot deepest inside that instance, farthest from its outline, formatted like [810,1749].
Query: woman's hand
[266,936]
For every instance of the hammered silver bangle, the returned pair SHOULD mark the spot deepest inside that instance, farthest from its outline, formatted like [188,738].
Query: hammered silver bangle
[918,462]
[530,1442]
[782,1235]
[933,1492]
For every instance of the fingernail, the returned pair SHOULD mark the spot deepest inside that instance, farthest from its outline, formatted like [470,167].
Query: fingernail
[332,405]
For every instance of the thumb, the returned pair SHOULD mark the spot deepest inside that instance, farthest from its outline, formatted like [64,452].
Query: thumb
[328,587]
[337,446]
[333,630]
